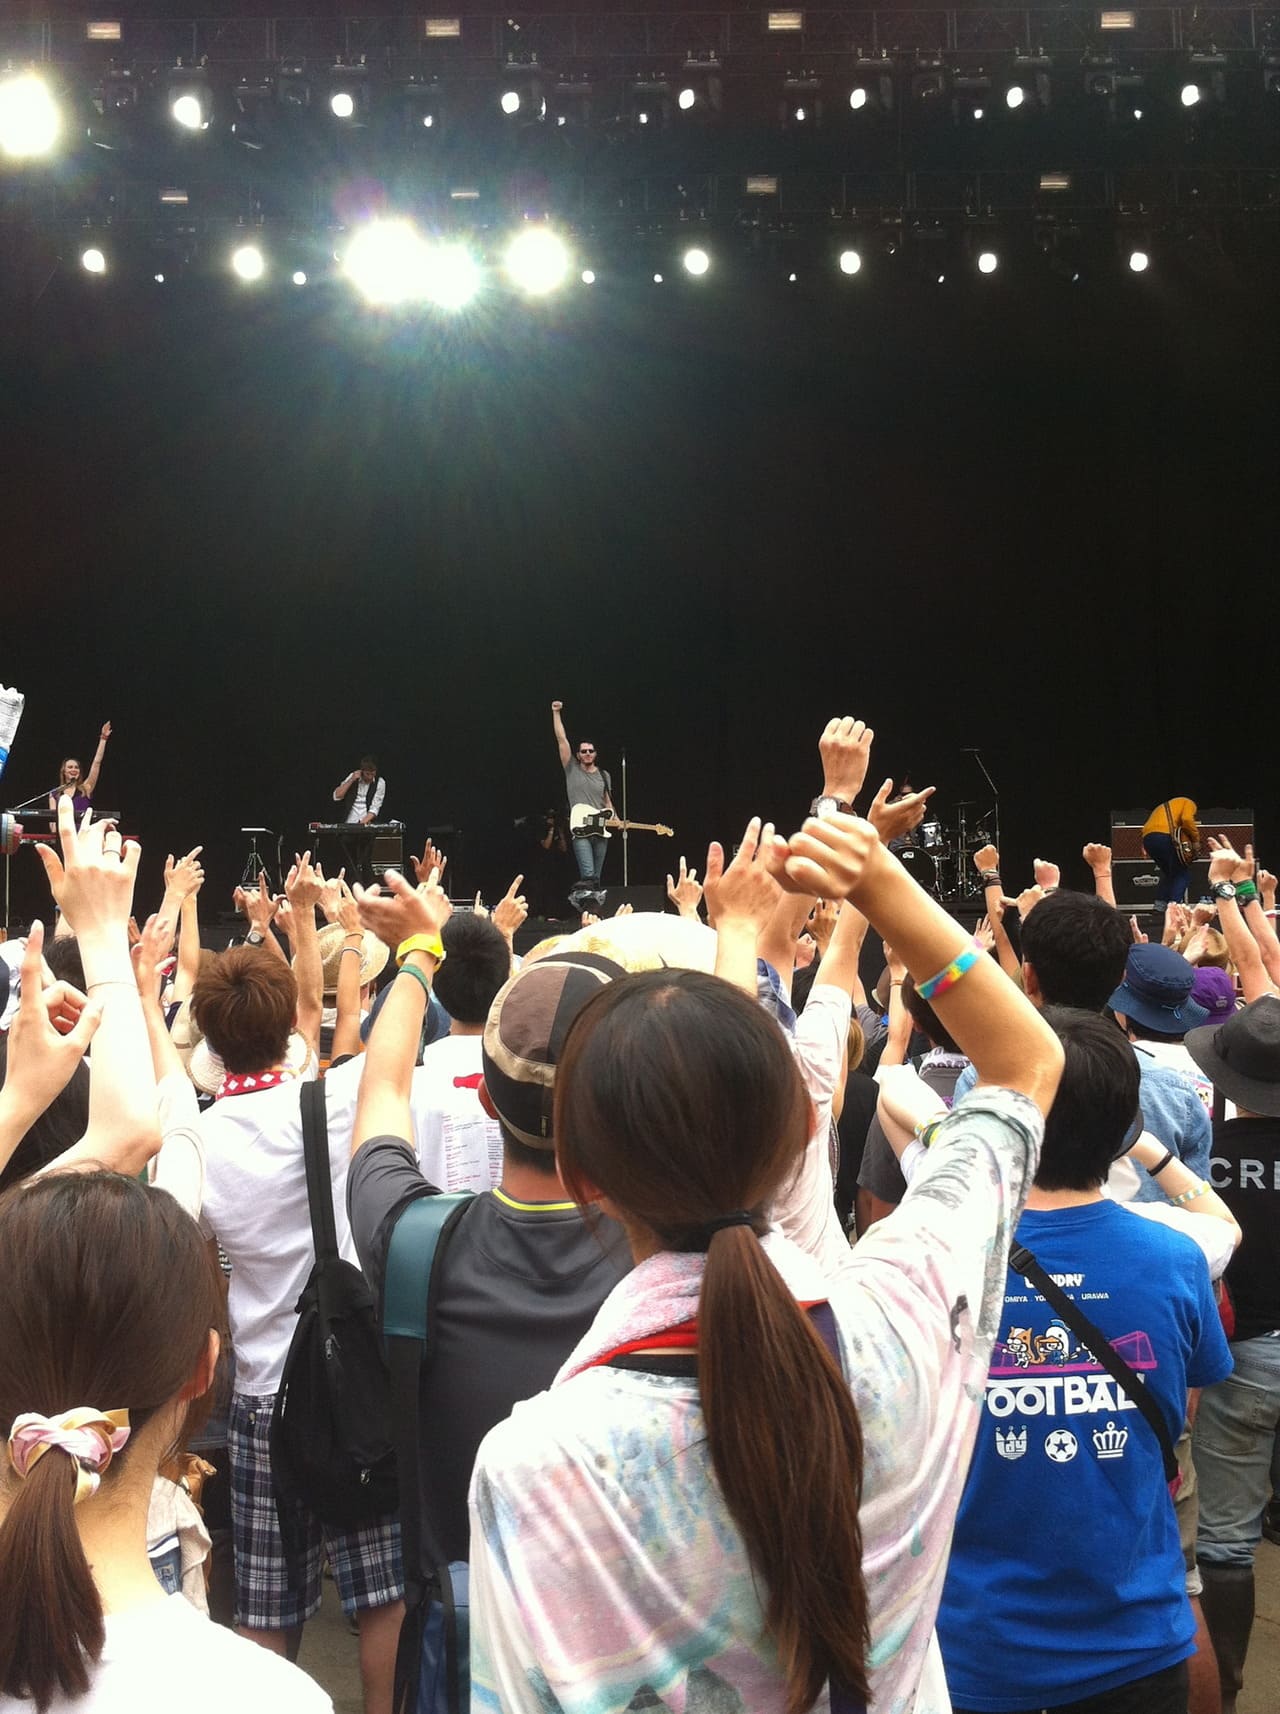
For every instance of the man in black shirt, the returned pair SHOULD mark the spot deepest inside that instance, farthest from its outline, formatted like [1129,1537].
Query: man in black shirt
[1237,1421]
[525,1270]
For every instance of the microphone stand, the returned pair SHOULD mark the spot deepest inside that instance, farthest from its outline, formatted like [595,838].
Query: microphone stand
[31,802]
[973,750]
[626,856]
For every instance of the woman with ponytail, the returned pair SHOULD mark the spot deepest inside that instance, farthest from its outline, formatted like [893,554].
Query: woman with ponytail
[737,1498]
[110,1310]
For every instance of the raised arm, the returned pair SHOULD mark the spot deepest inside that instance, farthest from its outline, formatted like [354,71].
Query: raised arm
[95,767]
[1260,925]
[346,1029]
[1228,865]
[399,914]
[741,900]
[1098,857]
[562,741]
[182,876]
[303,889]
[987,862]
[344,786]
[51,1030]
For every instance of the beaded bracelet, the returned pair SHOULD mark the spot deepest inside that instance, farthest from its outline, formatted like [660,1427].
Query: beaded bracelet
[1190,1195]
[948,977]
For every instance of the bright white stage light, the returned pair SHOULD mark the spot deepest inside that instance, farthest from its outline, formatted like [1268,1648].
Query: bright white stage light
[428,120]
[1190,94]
[696,262]
[93,262]
[299,278]
[657,279]
[389,263]
[850,261]
[511,101]
[29,117]
[537,261]
[800,115]
[342,104]
[248,263]
[158,278]
[979,112]
[453,276]
[686,99]
[642,118]
[858,99]
[988,262]
[588,277]
[188,111]
[1137,113]
[1014,96]
[1139,261]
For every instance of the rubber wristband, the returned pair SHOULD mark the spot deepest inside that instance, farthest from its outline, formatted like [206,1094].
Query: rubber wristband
[1160,1165]
[951,974]
[412,970]
[1200,1189]
[990,877]
[429,943]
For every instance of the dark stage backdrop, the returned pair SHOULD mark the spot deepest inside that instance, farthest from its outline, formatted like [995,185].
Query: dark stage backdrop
[262,533]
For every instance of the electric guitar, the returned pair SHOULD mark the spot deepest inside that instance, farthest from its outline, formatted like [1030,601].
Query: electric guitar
[594,824]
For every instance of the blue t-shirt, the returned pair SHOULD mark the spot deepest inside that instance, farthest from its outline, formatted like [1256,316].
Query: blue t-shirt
[1066,1578]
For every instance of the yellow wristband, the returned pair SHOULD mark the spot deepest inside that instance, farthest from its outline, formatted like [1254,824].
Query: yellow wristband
[428,943]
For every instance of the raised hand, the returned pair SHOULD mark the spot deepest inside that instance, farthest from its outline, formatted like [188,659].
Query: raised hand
[1098,857]
[186,875]
[511,910]
[1047,874]
[1177,922]
[1227,864]
[1139,938]
[1202,914]
[303,885]
[826,858]
[93,880]
[150,951]
[845,749]
[985,935]
[432,859]
[685,892]
[624,910]
[897,969]
[745,892]
[822,922]
[986,860]
[286,919]
[257,904]
[397,910]
[331,894]
[106,731]
[1026,901]
[589,919]
[806,951]
[895,820]
[556,707]
[1267,888]
[348,909]
[51,1031]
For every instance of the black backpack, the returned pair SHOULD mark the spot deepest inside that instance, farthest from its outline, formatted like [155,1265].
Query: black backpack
[331,1451]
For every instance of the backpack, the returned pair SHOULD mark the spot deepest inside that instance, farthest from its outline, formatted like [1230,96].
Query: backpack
[331,1453]
[433,1673]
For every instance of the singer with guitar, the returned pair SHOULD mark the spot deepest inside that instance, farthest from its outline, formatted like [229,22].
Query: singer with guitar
[588,785]
[1171,839]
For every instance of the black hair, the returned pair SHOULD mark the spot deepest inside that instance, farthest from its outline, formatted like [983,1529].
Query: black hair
[516,1153]
[63,1122]
[62,955]
[1096,1101]
[477,964]
[1077,945]
[1140,1031]
[926,1020]
[369,762]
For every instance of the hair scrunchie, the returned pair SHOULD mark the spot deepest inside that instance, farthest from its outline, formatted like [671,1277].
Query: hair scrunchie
[89,1437]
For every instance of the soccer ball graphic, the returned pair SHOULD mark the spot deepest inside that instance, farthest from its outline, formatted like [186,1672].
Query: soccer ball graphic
[1061,1445]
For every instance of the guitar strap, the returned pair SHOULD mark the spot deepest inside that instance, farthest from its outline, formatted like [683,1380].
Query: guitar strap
[1173,835]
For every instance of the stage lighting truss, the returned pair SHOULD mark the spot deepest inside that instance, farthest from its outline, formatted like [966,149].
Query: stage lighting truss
[30,116]
[871,88]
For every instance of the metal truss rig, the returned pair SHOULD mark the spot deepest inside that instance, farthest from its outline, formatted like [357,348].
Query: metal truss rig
[749,39]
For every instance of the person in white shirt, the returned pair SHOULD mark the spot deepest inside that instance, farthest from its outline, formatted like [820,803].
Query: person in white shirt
[362,810]
[111,1306]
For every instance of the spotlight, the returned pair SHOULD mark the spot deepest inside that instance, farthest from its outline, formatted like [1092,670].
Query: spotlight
[388,262]
[700,85]
[1027,90]
[1190,94]
[1206,85]
[537,261]
[988,262]
[188,98]
[349,94]
[850,261]
[588,277]
[696,262]
[452,277]
[299,278]
[93,261]
[1014,96]
[522,94]
[657,279]
[686,99]
[858,98]
[247,263]
[872,91]
[970,93]
[801,101]
[1139,261]
[342,104]
[30,122]
[510,102]
[188,112]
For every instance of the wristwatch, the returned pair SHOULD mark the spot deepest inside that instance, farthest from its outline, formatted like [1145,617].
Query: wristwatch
[1223,890]
[254,938]
[825,807]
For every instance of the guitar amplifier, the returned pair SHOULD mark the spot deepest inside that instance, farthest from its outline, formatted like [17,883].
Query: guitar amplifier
[388,852]
[1134,875]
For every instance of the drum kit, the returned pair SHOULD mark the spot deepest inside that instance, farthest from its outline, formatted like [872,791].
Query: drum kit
[939,855]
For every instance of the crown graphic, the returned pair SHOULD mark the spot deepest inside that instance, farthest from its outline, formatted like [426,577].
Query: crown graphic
[1109,1442]
[1012,1443]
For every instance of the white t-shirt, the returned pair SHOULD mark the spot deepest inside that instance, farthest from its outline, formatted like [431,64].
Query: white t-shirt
[167,1656]
[459,1145]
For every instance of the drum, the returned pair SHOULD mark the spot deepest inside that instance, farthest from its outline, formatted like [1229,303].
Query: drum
[930,837]
[921,866]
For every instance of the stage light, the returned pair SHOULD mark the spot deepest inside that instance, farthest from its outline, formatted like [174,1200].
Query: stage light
[510,102]
[850,261]
[158,278]
[1014,96]
[537,261]
[642,118]
[588,277]
[657,279]
[342,104]
[30,122]
[388,262]
[299,278]
[1190,94]
[349,94]
[872,91]
[988,262]
[696,262]
[979,112]
[93,261]
[248,263]
[452,276]
[858,98]
[686,99]
[1139,261]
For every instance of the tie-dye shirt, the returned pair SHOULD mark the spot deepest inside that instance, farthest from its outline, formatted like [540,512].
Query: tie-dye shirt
[607,1574]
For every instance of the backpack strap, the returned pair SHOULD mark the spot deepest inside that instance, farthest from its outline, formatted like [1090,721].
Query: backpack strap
[315,1153]
[1023,1262]
[419,1239]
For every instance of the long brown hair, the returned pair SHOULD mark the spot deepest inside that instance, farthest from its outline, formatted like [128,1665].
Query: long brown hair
[107,1296]
[680,1101]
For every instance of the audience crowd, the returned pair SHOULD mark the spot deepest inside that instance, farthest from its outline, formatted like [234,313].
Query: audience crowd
[664,1319]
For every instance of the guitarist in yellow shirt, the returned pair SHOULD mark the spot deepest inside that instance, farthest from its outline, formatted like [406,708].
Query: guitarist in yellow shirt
[1171,839]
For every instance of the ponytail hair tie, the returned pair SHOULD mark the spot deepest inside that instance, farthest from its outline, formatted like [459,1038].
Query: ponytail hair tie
[739,1217]
[89,1437]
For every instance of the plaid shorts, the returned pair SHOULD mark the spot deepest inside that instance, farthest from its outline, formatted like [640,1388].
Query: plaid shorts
[366,1562]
